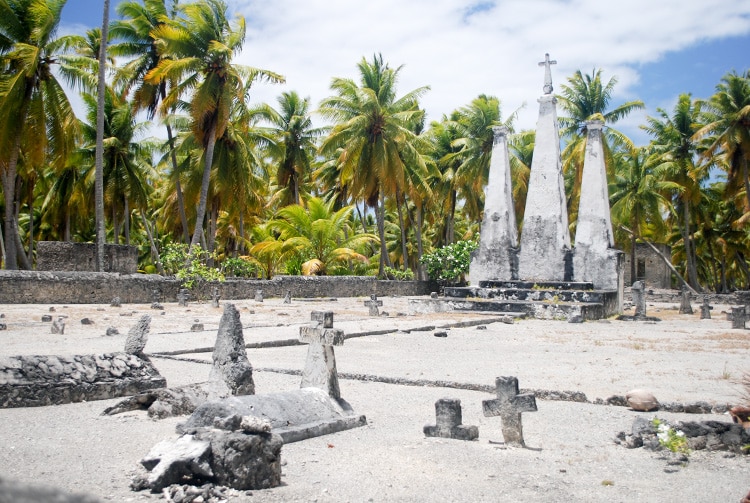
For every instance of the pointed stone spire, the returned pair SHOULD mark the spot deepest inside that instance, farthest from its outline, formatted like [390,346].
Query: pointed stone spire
[595,259]
[545,239]
[496,258]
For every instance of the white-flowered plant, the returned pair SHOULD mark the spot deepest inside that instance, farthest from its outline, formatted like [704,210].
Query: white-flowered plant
[671,438]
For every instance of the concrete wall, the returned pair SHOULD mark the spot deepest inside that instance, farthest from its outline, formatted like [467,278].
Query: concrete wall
[69,256]
[657,274]
[47,287]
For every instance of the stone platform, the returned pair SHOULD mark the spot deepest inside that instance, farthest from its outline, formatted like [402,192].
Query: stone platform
[540,300]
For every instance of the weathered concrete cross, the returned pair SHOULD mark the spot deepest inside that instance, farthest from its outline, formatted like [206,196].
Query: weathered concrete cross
[373,304]
[547,73]
[215,297]
[509,405]
[320,368]
[448,422]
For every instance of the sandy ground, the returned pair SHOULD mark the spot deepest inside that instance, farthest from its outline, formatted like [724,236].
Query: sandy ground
[570,456]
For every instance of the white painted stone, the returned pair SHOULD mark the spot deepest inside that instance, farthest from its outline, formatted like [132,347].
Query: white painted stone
[496,257]
[545,239]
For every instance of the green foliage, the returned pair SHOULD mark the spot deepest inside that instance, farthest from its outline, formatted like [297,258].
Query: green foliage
[398,275]
[238,267]
[450,262]
[190,269]
[294,265]
[670,438]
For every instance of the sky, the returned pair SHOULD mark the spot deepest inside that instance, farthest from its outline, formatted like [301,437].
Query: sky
[656,50]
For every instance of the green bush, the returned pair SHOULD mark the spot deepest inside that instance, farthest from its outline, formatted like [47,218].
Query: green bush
[238,267]
[193,272]
[450,262]
[398,275]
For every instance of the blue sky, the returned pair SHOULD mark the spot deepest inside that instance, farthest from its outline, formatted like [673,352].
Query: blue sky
[460,49]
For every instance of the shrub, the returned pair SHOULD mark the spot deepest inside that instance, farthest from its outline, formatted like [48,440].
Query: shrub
[450,262]
[192,272]
[398,275]
[238,267]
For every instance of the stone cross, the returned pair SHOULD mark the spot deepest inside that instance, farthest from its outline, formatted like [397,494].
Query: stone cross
[705,309]
[182,297]
[639,299]
[739,316]
[547,73]
[155,296]
[685,307]
[448,422]
[258,295]
[288,297]
[215,297]
[320,367]
[373,304]
[509,405]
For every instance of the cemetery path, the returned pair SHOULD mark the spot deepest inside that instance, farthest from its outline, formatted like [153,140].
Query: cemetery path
[571,453]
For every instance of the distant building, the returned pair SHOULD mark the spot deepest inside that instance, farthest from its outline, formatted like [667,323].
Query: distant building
[650,267]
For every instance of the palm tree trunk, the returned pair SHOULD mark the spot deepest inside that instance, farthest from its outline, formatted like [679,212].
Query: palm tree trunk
[404,251]
[178,186]
[21,255]
[633,260]
[202,201]
[31,231]
[115,225]
[689,255]
[66,235]
[2,248]
[420,248]
[99,173]
[126,222]
[212,226]
[385,260]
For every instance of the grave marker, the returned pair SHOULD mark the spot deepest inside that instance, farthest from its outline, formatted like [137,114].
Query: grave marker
[288,297]
[739,316]
[685,307]
[215,297]
[639,299]
[509,405]
[373,304]
[182,297]
[448,422]
[320,367]
[58,326]
[259,296]
[705,309]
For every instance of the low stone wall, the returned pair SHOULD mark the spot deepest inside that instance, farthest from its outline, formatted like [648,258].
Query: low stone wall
[69,256]
[30,381]
[48,287]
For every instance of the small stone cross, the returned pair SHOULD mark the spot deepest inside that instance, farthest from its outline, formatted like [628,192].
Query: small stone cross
[509,405]
[705,309]
[182,297]
[58,326]
[373,304]
[155,296]
[448,422]
[259,296]
[215,297]
[320,367]
[547,73]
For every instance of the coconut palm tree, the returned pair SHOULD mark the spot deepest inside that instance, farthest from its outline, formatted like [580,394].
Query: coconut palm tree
[34,111]
[637,197]
[586,98]
[323,238]
[727,117]
[373,136]
[199,47]
[136,43]
[673,140]
[295,146]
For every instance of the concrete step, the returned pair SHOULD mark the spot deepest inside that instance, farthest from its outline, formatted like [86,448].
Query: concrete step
[529,294]
[538,285]
[545,310]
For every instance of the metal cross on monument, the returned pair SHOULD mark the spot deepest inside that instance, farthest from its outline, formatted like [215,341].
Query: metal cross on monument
[547,73]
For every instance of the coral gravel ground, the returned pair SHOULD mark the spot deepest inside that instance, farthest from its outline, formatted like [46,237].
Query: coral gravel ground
[570,452]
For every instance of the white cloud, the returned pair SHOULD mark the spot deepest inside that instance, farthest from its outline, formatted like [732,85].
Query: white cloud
[459,55]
